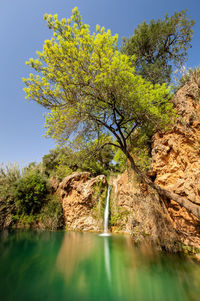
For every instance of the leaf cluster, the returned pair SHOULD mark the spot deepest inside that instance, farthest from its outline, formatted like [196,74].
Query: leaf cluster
[160,44]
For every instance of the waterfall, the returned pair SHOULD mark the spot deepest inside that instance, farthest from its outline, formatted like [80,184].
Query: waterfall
[106,213]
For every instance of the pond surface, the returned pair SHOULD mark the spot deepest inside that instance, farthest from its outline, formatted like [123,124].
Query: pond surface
[83,266]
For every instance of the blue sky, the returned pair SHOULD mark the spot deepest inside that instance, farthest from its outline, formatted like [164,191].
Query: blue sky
[23,31]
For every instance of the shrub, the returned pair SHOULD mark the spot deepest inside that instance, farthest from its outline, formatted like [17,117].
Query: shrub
[25,221]
[51,214]
[31,191]
[9,175]
[26,200]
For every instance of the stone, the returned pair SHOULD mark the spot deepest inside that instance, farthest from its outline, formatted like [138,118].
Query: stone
[137,211]
[79,202]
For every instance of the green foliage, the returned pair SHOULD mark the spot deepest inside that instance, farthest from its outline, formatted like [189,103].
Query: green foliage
[8,178]
[51,161]
[31,191]
[159,44]
[25,199]
[115,218]
[9,174]
[187,249]
[97,161]
[51,214]
[120,160]
[92,90]
[64,161]
[99,195]
[140,147]
[24,221]
[120,216]
[62,171]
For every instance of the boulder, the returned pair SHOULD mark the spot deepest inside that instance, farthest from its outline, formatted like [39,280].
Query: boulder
[82,198]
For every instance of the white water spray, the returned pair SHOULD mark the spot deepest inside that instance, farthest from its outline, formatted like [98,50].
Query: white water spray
[106,213]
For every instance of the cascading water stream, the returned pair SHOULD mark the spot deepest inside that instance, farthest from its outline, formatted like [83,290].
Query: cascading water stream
[106,213]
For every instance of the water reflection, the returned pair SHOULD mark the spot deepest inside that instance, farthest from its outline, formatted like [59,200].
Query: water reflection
[76,248]
[107,258]
[111,267]
[77,266]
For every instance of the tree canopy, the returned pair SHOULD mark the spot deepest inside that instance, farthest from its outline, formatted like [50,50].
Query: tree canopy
[159,44]
[91,87]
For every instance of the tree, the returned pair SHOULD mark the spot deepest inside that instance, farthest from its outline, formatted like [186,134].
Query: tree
[93,92]
[63,161]
[51,160]
[159,44]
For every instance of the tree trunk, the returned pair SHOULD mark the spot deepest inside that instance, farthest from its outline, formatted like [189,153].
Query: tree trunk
[190,206]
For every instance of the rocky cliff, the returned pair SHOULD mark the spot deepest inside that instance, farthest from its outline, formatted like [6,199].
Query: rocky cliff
[137,210]
[176,161]
[134,208]
[83,200]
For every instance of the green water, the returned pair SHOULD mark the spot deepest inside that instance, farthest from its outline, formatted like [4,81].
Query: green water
[80,266]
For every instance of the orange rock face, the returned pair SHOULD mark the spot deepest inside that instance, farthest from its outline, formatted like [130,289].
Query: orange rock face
[136,210]
[176,161]
[77,192]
